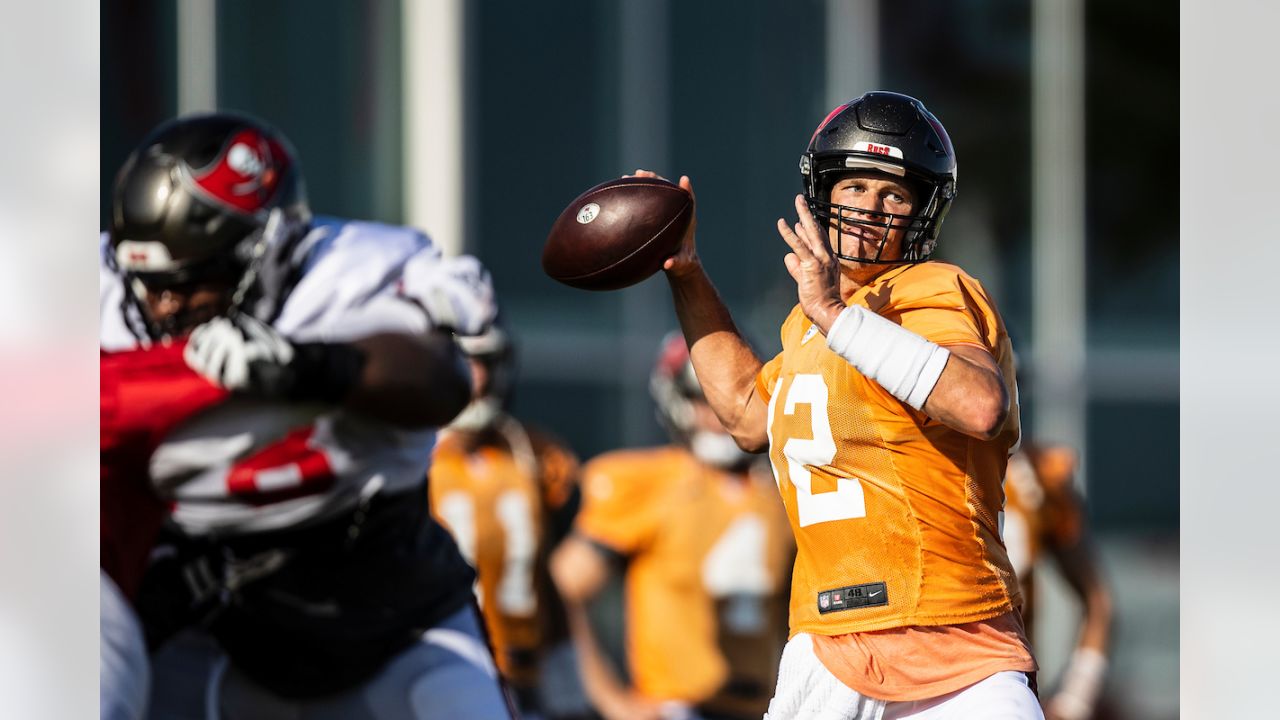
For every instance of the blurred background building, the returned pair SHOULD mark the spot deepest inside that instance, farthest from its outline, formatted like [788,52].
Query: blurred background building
[479,121]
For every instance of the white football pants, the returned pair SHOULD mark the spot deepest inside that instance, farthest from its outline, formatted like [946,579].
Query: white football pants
[808,691]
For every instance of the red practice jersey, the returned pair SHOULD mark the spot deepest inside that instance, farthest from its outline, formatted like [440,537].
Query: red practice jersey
[145,394]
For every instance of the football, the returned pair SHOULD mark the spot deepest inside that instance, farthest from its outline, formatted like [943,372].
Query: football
[617,233]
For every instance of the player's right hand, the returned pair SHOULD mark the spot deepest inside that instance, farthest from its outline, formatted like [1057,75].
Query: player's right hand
[242,355]
[247,356]
[685,260]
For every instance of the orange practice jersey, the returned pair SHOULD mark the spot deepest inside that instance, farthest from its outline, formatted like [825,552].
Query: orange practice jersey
[706,574]
[496,500]
[895,515]
[1041,509]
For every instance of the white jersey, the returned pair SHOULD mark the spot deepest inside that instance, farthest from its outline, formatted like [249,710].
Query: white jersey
[249,465]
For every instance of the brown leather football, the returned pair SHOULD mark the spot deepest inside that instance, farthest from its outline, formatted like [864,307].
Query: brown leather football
[617,233]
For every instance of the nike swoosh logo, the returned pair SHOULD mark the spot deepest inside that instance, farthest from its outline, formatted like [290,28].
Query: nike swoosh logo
[875,593]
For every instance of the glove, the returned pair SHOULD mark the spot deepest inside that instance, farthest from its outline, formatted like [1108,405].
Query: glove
[227,352]
[246,356]
[456,293]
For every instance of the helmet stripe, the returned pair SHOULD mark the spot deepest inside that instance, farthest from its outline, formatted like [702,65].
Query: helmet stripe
[246,174]
[827,119]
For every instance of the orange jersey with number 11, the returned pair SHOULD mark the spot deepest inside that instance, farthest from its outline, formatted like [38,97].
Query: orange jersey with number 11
[496,506]
[895,514]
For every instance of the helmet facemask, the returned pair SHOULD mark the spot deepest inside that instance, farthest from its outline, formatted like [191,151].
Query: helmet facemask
[248,271]
[218,275]
[919,230]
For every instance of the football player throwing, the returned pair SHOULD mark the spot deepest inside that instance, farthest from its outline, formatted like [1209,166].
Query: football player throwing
[888,420]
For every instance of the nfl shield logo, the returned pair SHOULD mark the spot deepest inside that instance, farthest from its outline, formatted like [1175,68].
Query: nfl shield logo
[824,600]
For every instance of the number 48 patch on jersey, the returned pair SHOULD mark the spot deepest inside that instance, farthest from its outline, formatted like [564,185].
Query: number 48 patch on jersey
[853,596]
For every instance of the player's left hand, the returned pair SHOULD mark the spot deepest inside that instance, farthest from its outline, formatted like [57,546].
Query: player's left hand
[685,261]
[814,268]
[242,355]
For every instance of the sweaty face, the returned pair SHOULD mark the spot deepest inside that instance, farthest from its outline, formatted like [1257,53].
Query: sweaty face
[863,228]
[177,309]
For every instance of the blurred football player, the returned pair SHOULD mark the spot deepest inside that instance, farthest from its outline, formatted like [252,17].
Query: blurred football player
[888,420]
[703,543]
[1043,518]
[144,395]
[507,492]
[299,533]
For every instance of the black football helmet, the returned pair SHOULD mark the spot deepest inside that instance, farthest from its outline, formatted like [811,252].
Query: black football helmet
[893,134]
[192,201]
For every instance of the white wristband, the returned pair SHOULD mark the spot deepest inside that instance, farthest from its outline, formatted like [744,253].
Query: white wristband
[1081,684]
[902,362]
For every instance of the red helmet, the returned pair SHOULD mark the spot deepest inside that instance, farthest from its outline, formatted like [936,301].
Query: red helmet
[675,391]
[674,387]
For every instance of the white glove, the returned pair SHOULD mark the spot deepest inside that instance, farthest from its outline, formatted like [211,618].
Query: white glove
[456,293]
[235,353]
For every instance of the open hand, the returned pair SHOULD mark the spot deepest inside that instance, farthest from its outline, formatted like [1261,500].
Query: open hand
[814,268]
[241,354]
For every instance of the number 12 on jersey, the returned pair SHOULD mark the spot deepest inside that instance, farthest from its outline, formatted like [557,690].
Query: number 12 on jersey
[846,502]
